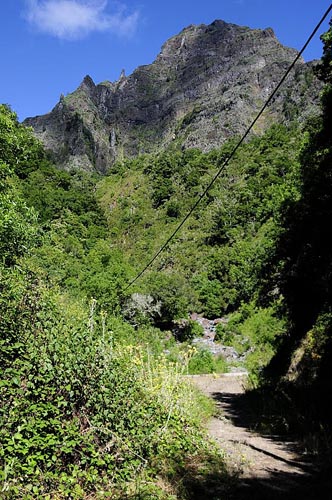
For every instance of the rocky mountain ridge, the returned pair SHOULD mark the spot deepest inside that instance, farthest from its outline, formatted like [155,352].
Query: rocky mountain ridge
[205,86]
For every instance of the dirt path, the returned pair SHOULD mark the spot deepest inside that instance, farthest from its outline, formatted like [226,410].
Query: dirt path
[268,466]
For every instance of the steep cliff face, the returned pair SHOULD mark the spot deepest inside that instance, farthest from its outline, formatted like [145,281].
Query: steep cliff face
[207,84]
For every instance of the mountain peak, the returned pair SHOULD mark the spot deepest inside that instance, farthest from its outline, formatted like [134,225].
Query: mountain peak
[206,85]
[87,83]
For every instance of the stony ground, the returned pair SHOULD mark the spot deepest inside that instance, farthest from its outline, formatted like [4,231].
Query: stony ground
[269,467]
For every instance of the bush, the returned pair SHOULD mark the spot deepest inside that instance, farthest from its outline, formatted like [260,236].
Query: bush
[82,414]
[187,330]
[204,362]
[173,294]
[224,334]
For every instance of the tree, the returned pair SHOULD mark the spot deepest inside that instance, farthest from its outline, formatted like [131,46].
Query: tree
[18,147]
[18,223]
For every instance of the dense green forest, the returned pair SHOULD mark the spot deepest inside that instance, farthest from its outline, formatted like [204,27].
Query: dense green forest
[93,399]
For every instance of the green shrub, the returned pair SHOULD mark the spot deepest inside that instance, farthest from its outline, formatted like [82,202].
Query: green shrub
[173,293]
[187,330]
[81,413]
[204,362]
[224,334]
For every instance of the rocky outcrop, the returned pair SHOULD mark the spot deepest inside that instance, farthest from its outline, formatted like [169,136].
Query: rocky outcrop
[207,84]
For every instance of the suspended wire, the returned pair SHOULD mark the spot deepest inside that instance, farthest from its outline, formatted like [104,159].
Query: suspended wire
[232,153]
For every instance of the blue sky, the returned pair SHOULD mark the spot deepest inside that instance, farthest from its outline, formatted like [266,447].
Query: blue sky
[48,46]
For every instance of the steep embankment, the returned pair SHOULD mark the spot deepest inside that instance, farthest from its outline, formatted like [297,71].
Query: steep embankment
[205,86]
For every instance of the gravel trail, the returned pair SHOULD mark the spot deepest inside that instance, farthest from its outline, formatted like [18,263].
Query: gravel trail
[269,467]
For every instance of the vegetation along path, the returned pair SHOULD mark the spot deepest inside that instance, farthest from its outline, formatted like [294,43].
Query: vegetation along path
[268,466]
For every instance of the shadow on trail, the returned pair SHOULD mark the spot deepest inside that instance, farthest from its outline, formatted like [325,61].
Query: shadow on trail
[282,486]
[277,486]
[237,407]
[302,480]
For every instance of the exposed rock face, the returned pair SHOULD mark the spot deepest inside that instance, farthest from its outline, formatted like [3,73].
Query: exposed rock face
[206,85]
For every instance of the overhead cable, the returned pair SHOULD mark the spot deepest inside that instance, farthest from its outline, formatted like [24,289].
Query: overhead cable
[232,153]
